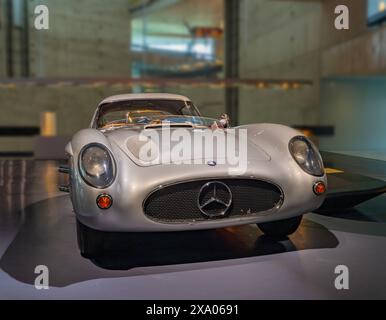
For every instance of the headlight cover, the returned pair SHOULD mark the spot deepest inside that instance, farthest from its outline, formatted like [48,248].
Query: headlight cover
[96,166]
[307,156]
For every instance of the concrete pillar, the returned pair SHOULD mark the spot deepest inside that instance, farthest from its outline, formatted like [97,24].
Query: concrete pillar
[232,30]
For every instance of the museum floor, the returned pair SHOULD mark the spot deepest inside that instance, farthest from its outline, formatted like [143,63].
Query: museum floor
[37,227]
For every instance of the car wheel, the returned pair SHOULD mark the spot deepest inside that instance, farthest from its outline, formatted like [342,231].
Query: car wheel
[90,241]
[281,228]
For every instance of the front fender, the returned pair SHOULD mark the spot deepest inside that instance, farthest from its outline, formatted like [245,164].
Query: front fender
[272,138]
[78,188]
[85,137]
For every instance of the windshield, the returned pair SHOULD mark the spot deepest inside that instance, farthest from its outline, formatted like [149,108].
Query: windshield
[150,113]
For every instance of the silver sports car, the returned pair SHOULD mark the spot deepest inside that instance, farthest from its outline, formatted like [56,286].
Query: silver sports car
[151,162]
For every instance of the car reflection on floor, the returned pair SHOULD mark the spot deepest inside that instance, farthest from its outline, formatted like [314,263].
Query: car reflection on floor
[48,237]
[37,227]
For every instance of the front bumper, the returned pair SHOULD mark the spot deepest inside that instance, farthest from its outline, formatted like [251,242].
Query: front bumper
[127,213]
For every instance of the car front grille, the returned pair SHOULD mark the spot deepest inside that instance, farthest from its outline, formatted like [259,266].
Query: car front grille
[178,203]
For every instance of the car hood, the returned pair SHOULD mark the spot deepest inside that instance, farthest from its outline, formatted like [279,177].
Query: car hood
[160,146]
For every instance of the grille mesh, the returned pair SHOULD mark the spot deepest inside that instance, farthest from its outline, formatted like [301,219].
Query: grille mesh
[178,202]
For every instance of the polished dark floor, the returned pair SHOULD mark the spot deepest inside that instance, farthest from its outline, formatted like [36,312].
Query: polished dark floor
[37,227]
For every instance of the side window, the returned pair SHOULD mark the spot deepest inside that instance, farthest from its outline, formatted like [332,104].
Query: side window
[189,109]
[185,111]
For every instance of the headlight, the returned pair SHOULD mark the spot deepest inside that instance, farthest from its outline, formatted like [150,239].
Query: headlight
[307,156]
[96,166]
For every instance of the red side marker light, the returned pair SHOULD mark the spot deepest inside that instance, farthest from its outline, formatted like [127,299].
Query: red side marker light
[104,201]
[320,188]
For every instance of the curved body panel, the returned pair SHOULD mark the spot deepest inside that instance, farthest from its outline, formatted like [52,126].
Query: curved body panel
[269,160]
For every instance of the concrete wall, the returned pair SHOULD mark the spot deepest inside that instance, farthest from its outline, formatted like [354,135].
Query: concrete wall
[17,42]
[74,107]
[362,56]
[354,105]
[23,105]
[86,38]
[298,39]
[358,22]
[358,51]
[357,109]
[2,40]
[279,40]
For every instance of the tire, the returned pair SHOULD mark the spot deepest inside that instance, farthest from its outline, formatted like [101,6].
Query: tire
[281,228]
[90,241]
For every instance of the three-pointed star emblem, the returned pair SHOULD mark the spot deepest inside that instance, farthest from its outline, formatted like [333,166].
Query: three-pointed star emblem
[214,199]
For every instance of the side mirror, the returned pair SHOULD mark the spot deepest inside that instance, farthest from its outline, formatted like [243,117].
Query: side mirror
[224,120]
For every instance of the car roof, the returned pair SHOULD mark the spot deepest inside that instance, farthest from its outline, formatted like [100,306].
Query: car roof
[139,96]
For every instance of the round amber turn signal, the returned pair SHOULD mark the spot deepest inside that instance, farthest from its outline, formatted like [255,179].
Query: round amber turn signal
[104,201]
[320,188]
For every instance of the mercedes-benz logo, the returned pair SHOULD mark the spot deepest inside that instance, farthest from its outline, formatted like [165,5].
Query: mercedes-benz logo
[214,199]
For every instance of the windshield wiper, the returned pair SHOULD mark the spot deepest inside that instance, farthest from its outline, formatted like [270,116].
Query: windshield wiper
[168,124]
[116,127]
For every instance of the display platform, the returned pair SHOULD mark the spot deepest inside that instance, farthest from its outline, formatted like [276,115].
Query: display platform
[351,181]
[347,190]
[38,228]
